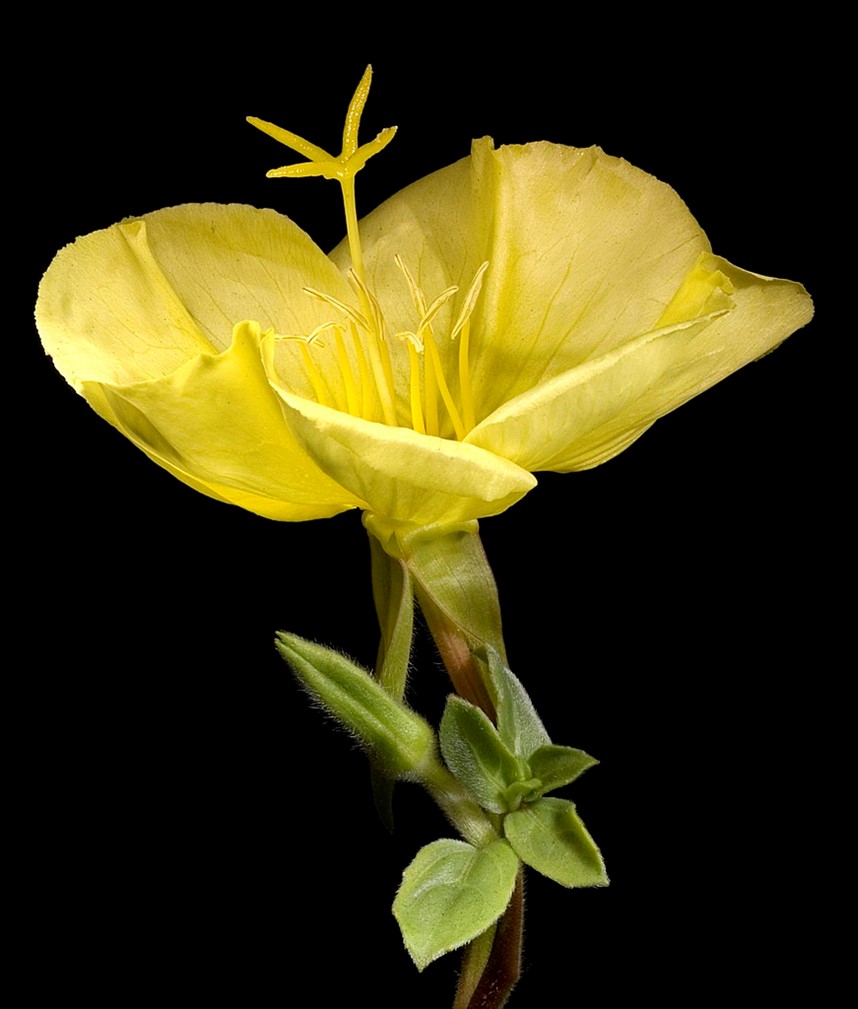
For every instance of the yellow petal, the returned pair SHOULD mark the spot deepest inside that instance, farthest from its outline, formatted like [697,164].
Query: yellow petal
[403,476]
[231,263]
[216,424]
[107,313]
[583,250]
[134,317]
[589,414]
[136,300]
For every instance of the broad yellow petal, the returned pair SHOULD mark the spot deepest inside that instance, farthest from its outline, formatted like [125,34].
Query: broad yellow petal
[107,313]
[136,300]
[590,413]
[216,424]
[584,249]
[135,317]
[230,263]
[403,476]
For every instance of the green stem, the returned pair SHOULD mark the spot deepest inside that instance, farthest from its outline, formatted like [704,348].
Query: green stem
[457,805]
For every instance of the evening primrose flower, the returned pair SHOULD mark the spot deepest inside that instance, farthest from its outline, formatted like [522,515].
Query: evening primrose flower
[528,308]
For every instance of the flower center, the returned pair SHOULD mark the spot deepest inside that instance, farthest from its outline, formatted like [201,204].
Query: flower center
[367,374]
[367,385]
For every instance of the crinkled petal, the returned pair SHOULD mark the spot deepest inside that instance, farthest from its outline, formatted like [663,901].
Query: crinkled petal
[107,313]
[134,317]
[592,412]
[401,475]
[216,424]
[136,300]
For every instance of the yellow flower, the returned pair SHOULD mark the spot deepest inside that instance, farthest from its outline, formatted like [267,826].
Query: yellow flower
[528,308]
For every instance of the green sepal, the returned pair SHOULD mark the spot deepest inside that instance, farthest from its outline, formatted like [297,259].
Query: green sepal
[449,566]
[556,766]
[475,753]
[519,726]
[451,893]
[398,739]
[393,596]
[457,594]
[550,837]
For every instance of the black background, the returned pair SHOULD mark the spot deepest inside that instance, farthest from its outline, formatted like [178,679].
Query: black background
[187,831]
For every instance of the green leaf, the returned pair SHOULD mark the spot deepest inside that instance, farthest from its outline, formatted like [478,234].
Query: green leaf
[550,837]
[556,766]
[518,723]
[475,753]
[451,893]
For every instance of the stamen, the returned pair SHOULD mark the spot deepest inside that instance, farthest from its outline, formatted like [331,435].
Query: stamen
[315,378]
[470,302]
[435,358]
[436,306]
[430,384]
[465,378]
[352,398]
[341,306]
[363,372]
[434,373]
[379,356]
[415,347]
[463,327]
[417,295]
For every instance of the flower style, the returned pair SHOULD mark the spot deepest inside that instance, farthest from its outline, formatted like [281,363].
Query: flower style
[528,308]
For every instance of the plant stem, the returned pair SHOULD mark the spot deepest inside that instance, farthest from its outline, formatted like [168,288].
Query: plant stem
[474,963]
[491,987]
[457,805]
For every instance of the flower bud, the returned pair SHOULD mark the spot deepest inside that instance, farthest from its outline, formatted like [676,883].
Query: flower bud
[398,740]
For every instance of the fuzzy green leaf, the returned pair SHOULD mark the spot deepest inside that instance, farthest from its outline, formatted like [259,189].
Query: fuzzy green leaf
[519,725]
[556,766]
[451,893]
[549,836]
[475,753]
